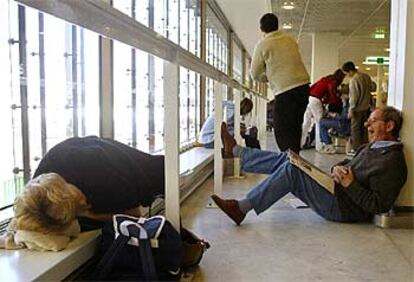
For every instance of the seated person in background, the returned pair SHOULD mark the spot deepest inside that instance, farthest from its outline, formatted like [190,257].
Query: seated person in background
[322,92]
[338,122]
[89,178]
[366,185]
[206,138]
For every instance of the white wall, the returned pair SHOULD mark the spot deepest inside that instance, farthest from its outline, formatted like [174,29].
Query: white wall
[244,16]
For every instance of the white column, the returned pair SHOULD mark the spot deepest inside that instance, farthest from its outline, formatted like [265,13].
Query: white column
[401,84]
[236,100]
[171,143]
[218,118]
[106,99]
[325,54]
[262,112]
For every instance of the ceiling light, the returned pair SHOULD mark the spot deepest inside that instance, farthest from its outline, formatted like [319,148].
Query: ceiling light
[379,34]
[367,69]
[387,49]
[287,26]
[288,5]
[386,73]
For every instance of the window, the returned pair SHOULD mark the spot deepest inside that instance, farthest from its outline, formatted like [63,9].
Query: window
[50,90]
[237,62]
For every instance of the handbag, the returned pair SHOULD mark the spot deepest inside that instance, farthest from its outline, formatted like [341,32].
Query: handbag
[193,248]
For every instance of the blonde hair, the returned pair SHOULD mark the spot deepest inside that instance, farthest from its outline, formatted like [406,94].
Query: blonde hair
[48,204]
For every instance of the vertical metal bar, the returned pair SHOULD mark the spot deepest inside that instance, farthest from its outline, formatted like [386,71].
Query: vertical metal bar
[203,53]
[218,118]
[172,140]
[75,82]
[151,83]
[236,161]
[82,81]
[230,62]
[42,89]
[133,86]
[167,18]
[23,92]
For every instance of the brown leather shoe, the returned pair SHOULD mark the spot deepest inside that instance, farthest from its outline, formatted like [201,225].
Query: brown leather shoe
[231,208]
[228,142]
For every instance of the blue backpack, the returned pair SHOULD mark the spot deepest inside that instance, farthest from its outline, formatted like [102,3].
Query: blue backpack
[141,249]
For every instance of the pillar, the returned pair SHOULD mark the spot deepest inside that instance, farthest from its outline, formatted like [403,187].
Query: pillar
[325,54]
[401,84]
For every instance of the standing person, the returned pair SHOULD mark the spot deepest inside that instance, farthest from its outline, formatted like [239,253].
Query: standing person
[276,59]
[322,92]
[360,87]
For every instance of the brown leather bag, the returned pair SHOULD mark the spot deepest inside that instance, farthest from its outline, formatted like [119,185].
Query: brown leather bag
[193,248]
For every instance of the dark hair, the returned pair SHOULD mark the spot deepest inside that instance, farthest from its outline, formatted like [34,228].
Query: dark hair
[392,114]
[348,66]
[339,76]
[246,106]
[269,23]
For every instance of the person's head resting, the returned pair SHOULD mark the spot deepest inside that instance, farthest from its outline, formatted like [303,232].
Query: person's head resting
[384,124]
[349,69]
[269,22]
[48,204]
[246,106]
[338,75]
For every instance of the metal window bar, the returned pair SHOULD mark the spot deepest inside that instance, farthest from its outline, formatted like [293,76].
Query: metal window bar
[82,79]
[151,84]
[75,81]
[133,74]
[23,93]
[42,90]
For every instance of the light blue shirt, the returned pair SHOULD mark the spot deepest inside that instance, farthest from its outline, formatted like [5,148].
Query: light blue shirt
[383,144]
[207,131]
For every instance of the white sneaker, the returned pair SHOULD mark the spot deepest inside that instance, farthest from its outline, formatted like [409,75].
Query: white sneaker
[327,149]
[351,153]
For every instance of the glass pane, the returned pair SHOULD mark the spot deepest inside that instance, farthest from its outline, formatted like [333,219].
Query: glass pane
[237,62]
[217,47]
[10,125]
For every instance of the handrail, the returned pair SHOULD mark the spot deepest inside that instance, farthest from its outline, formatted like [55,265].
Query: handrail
[102,18]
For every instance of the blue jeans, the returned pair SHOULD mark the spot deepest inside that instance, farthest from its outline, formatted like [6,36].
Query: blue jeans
[284,178]
[324,126]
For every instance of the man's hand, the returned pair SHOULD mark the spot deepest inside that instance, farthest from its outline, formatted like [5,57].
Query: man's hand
[349,114]
[343,175]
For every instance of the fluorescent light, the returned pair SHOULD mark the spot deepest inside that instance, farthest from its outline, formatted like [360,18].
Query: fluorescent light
[386,73]
[368,69]
[288,5]
[287,26]
[387,49]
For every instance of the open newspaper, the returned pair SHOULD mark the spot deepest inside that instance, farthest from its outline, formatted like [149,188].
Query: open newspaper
[323,178]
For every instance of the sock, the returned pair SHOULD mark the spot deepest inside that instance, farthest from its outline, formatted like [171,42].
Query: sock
[245,205]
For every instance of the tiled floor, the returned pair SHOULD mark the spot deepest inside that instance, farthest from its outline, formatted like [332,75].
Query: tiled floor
[288,244]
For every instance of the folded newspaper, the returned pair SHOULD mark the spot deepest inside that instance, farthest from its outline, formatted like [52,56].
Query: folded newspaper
[321,177]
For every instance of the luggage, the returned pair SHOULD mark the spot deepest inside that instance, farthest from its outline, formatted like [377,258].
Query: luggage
[140,249]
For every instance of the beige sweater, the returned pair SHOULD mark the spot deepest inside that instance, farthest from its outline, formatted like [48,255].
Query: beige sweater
[276,59]
[360,87]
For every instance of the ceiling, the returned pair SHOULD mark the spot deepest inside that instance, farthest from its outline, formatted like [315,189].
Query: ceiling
[245,19]
[355,20]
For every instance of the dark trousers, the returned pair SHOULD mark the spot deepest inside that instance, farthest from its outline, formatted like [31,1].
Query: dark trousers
[359,133]
[288,110]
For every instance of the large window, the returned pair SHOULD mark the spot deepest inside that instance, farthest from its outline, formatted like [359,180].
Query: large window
[237,62]
[49,84]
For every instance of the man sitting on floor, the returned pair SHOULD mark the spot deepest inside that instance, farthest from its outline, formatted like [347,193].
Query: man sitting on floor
[366,185]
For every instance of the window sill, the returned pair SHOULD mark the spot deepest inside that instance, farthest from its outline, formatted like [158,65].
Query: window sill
[26,265]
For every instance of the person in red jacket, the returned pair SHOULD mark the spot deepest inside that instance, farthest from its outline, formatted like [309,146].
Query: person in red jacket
[323,92]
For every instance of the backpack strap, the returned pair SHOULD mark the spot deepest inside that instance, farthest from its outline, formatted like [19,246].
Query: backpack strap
[136,230]
[106,263]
